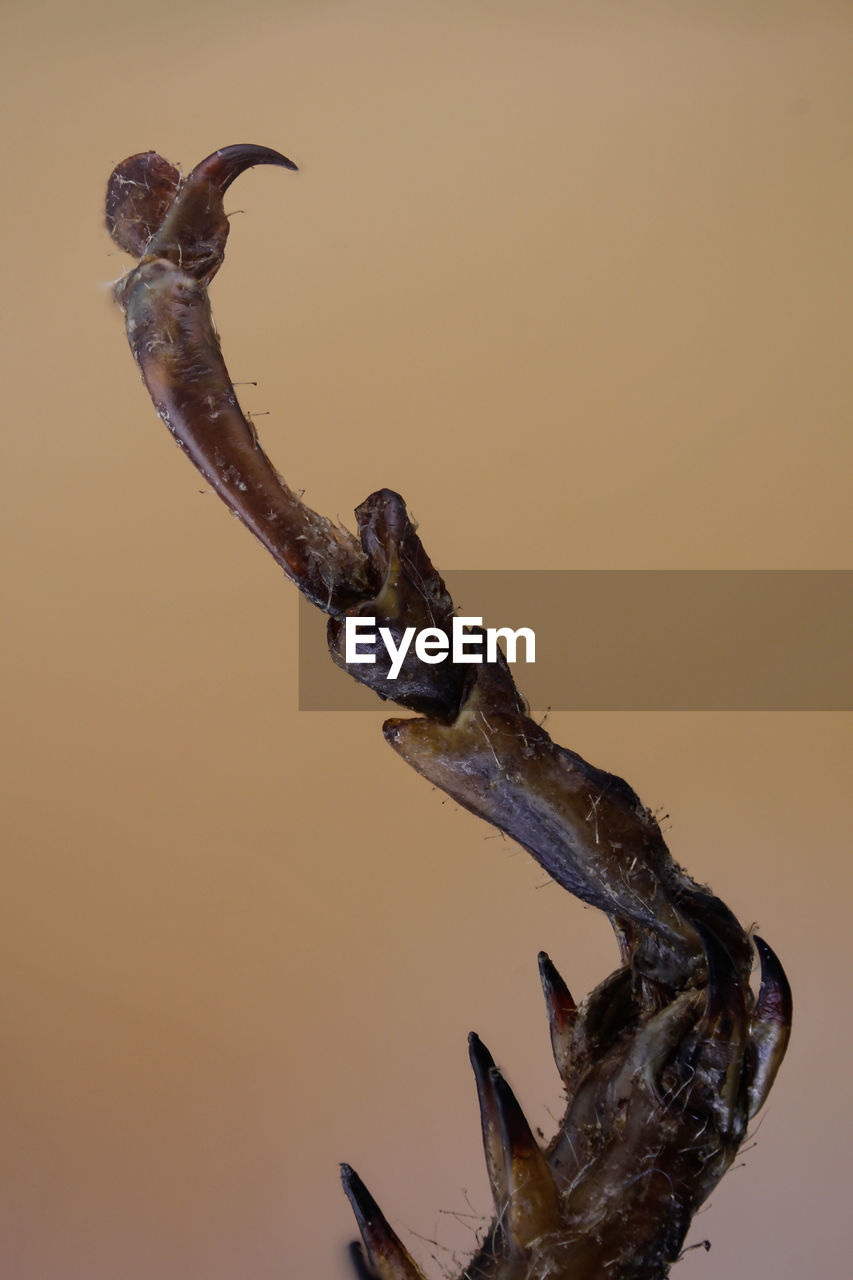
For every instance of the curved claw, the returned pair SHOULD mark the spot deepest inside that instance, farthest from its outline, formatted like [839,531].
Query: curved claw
[770,1027]
[562,1014]
[522,1184]
[152,211]
[221,167]
[194,230]
[387,1255]
[483,1065]
[775,1002]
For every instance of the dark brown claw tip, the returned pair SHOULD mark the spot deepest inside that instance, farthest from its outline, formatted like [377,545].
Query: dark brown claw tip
[562,1013]
[386,1254]
[139,194]
[553,984]
[483,1065]
[194,229]
[223,166]
[481,1060]
[770,1028]
[364,1207]
[775,1002]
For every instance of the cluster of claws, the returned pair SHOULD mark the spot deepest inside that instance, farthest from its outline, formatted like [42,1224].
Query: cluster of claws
[667,1060]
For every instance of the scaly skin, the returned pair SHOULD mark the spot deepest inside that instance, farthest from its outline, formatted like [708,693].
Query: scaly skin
[667,1060]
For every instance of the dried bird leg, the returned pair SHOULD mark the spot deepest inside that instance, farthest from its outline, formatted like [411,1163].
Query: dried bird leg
[667,1059]
[171,334]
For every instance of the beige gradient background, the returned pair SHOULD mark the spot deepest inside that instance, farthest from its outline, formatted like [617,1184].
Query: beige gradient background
[575,278]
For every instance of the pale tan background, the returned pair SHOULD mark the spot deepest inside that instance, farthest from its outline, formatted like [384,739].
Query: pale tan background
[576,278]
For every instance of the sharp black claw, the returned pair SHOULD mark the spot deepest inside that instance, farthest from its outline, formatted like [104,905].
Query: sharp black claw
[223,166]
[386,1254]
[194,230]
[483,1065]
[770,1026]
[775,1002]
[562,1014]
